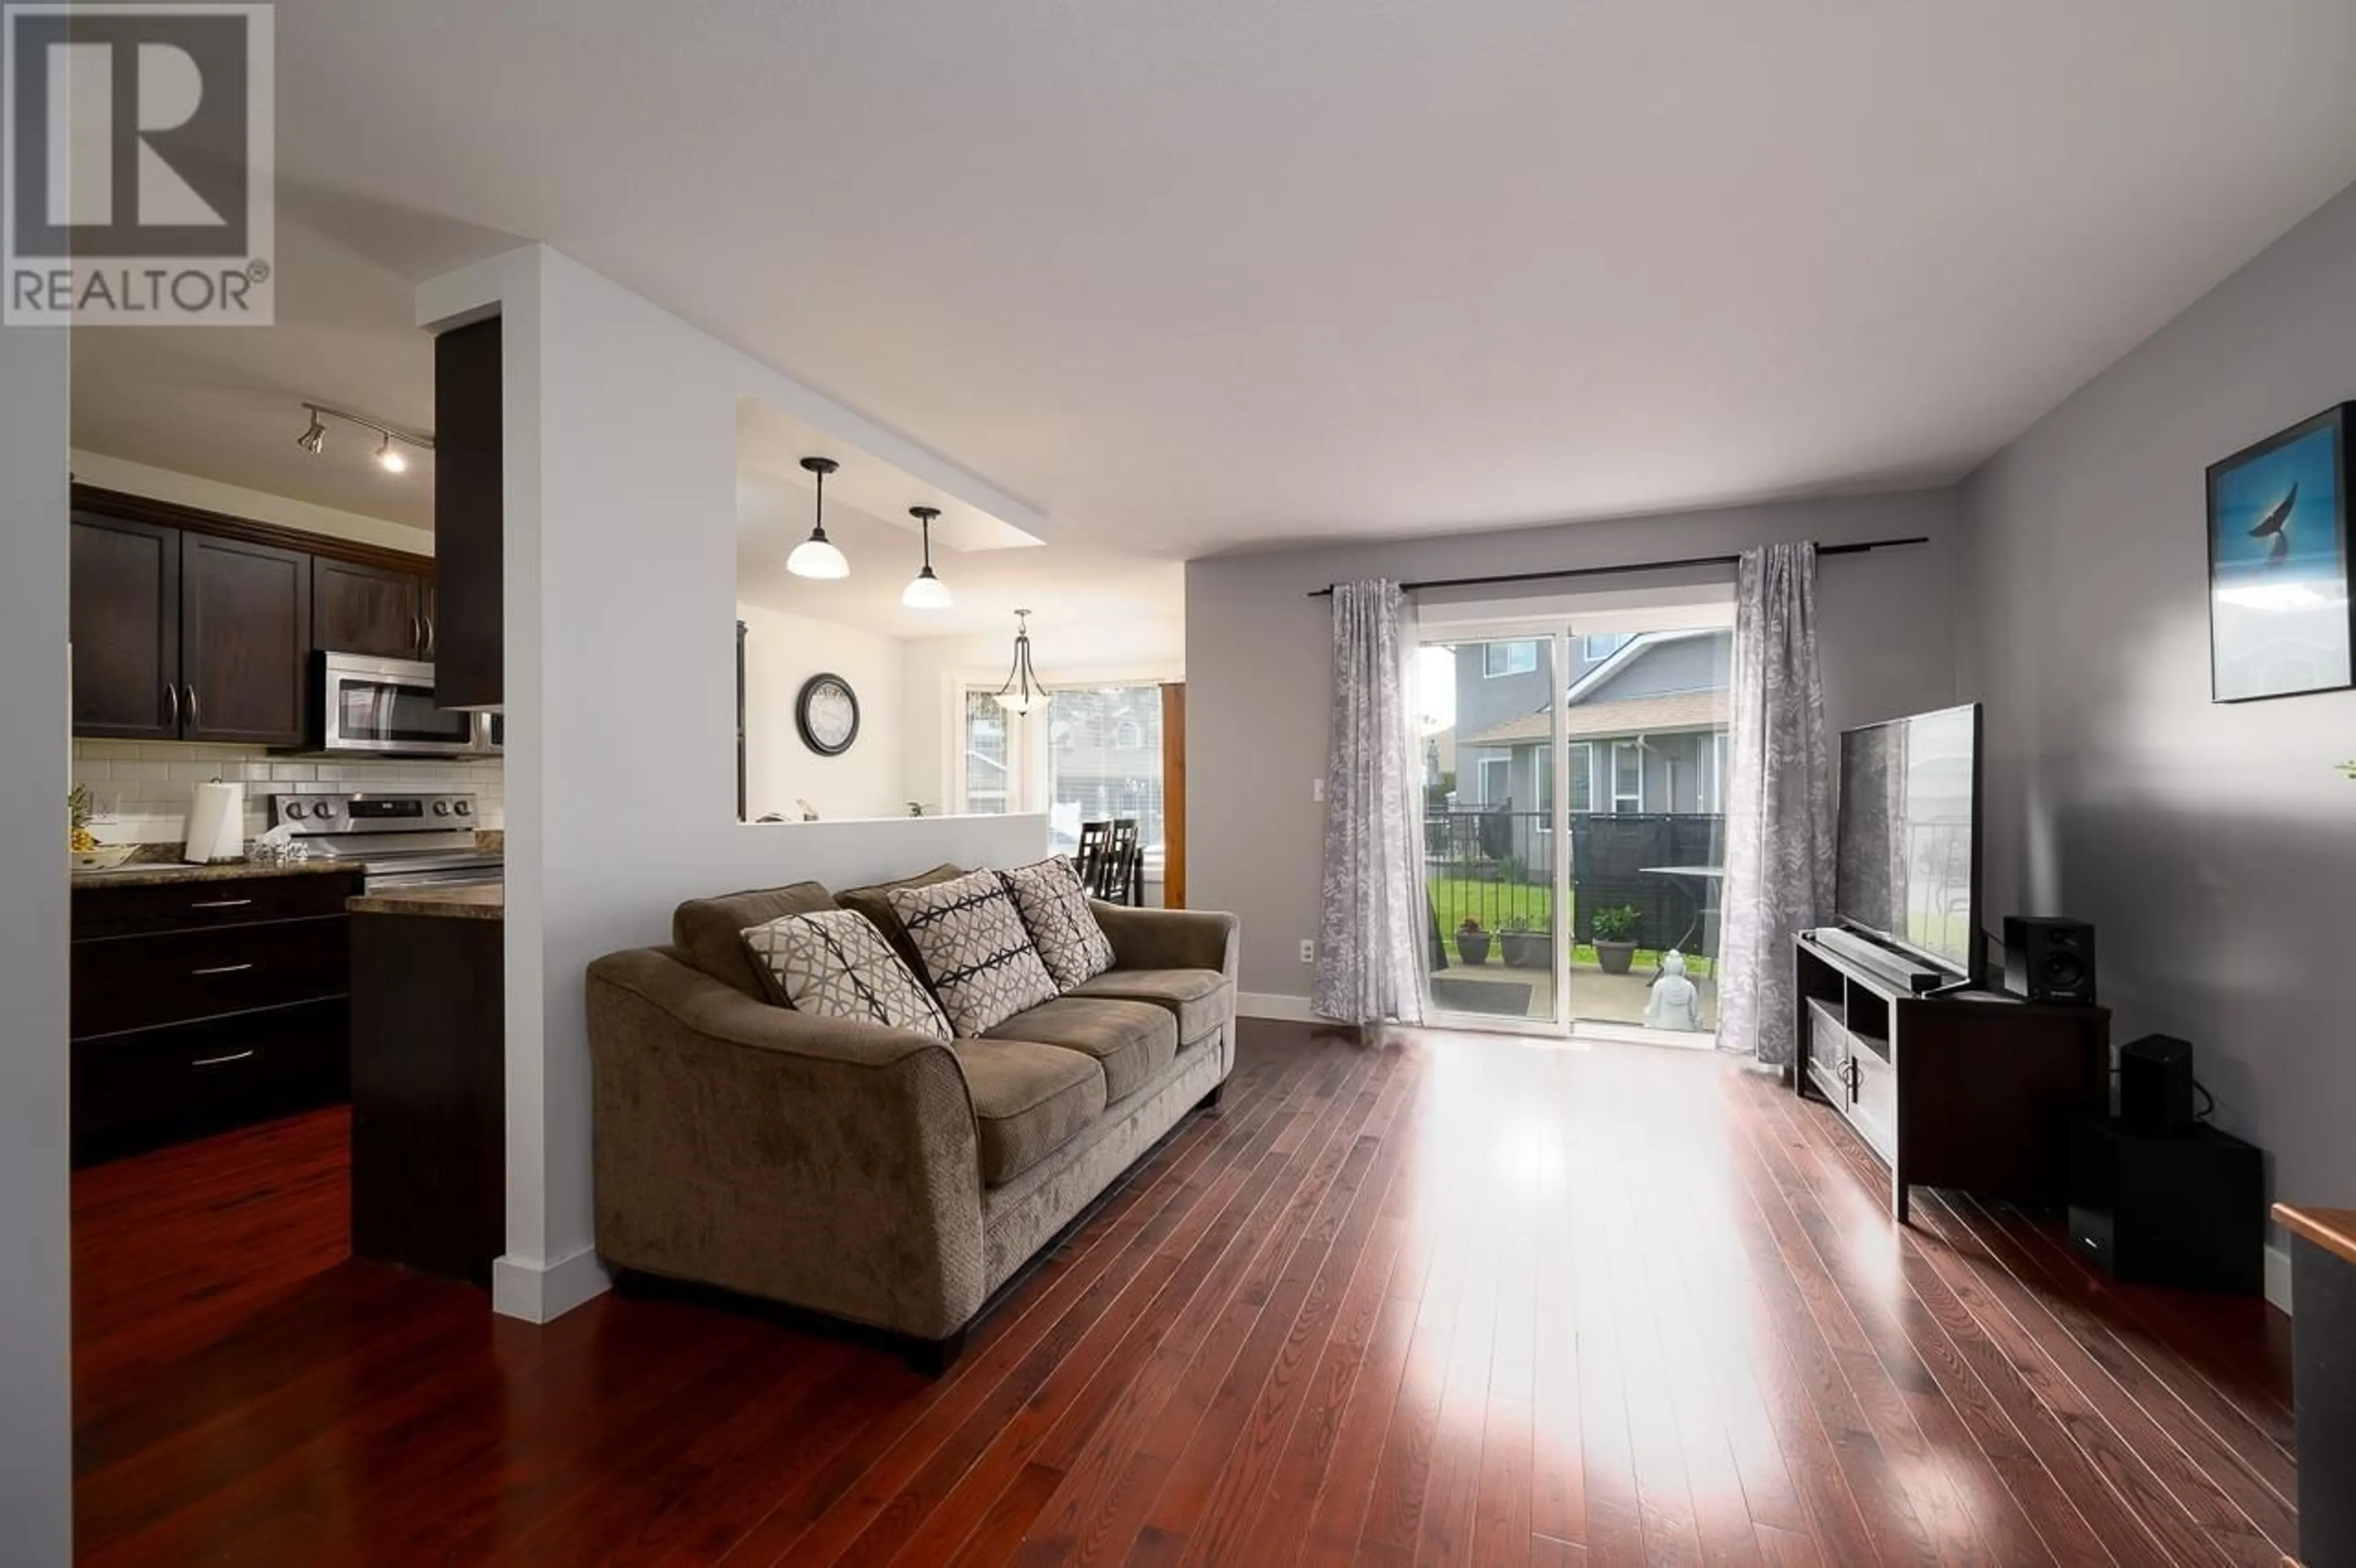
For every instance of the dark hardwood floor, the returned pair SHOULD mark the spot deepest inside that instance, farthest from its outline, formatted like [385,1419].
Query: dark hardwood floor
[1465,1301]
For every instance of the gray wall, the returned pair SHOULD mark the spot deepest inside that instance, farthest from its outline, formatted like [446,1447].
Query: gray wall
[2213,846]
[35,1478]
[1258,672]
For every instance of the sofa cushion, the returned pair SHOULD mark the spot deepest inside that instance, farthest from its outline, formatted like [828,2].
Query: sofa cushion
[973,949]
[1029,1100]
[1132,1041]
[835,964]
[874,902]
[1054,909]
[1199,999]
[709,932]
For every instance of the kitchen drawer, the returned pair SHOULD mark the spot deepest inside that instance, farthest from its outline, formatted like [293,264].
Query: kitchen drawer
[100,911]
[139,1091]
[141,982]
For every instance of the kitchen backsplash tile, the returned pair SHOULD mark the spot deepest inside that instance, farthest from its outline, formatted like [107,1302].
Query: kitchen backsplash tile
[140,788]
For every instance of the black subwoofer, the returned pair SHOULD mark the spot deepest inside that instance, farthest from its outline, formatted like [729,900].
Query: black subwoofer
[2048,959]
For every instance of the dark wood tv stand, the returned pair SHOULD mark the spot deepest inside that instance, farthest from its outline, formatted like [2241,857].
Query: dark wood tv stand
[1973,1089]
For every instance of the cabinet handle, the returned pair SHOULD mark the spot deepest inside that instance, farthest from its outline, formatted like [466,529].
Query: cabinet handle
[429,636]
[220,1061]
[416,634]
[221,904]
[223,969]
[172,695]
[194,723]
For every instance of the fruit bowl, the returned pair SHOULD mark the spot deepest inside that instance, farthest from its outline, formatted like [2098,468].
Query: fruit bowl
[105,858]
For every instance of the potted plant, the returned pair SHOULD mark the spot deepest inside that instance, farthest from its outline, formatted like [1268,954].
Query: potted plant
[1524,947]
[1471,941]
[1614,928]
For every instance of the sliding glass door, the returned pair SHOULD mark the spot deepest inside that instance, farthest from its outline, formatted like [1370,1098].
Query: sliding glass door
[1492,833]
[1574,822]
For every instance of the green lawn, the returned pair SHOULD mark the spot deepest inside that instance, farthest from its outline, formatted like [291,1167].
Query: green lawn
[1493,904]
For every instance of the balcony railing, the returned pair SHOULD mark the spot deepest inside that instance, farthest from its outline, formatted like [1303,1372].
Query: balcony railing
[1498,868]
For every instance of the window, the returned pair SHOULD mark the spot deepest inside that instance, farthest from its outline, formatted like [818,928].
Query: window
[1583,777]
[1105,761]
[1603,644]
[1546,790]
[1627,776]
[987,767]
[1508,658]
[1496,780]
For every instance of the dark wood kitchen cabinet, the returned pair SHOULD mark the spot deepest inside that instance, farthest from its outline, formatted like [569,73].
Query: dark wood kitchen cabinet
[193,625]
[125,613]
[359,608]
[245,641]
[468,513]
[205,1003]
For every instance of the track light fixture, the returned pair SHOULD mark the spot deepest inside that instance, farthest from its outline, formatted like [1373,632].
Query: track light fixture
[389,455]
[816,556]
[925,590]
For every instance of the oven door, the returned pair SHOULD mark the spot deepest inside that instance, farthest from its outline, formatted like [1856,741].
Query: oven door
[385,708]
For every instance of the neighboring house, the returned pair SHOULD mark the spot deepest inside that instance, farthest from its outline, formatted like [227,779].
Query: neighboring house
[1644,718]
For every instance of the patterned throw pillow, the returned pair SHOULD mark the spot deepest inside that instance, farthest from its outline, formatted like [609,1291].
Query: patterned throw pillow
[971,939]
[1054,909]
[836,963]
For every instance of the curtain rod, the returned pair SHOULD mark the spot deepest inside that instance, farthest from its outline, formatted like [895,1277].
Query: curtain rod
[1327,592]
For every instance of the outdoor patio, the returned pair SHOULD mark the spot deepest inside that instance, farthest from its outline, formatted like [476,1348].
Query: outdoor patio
[1494,990]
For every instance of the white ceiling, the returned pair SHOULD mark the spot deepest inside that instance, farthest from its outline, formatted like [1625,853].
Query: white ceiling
[1189,278]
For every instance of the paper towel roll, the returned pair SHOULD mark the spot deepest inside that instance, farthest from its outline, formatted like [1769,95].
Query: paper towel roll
[216,823]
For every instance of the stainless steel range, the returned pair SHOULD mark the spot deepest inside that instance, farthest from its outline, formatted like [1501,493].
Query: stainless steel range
[399,840]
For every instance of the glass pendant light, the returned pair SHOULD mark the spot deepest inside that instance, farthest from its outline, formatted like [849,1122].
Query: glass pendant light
[925,590]
[1023,690]
[816,556]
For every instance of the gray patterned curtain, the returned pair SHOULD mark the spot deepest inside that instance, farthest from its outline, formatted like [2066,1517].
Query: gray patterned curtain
[1779,809]
[1372,931]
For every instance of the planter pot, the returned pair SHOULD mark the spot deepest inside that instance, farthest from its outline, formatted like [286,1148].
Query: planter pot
[1527,949]
[1472,946]
[1615,957]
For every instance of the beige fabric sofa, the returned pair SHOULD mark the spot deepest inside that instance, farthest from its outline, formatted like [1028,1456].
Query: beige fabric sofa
[870,1174]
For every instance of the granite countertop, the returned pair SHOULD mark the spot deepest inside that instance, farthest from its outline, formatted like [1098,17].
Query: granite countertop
[462,900]
[163,873]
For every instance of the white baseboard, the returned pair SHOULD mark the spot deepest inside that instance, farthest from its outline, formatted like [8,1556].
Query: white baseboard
[1267,1004]
[2278,1279]
[543,1292]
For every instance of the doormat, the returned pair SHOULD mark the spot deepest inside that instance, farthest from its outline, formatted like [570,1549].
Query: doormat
[1505,998]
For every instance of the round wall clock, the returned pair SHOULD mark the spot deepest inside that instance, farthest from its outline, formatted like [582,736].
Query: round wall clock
[826,713]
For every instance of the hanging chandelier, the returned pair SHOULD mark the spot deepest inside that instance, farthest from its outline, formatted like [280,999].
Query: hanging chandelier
[1023,690]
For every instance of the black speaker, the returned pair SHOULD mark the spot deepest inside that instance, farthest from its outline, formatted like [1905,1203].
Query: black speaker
[2156,1084]
[2048,959]
[2185,1211]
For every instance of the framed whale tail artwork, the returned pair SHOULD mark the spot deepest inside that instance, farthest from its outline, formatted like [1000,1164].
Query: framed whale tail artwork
[2279,616]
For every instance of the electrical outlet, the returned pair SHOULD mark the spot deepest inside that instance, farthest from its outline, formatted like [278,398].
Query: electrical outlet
[1317,790]
[1308,951]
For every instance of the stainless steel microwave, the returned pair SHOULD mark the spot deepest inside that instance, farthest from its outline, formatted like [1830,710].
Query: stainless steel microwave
[369,707]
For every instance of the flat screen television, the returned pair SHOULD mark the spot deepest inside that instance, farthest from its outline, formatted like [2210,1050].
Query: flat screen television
[1907,868]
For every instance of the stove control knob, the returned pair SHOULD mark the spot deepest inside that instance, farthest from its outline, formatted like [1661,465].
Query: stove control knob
[441,808]
[294,811]
[465,808]
[326,808]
